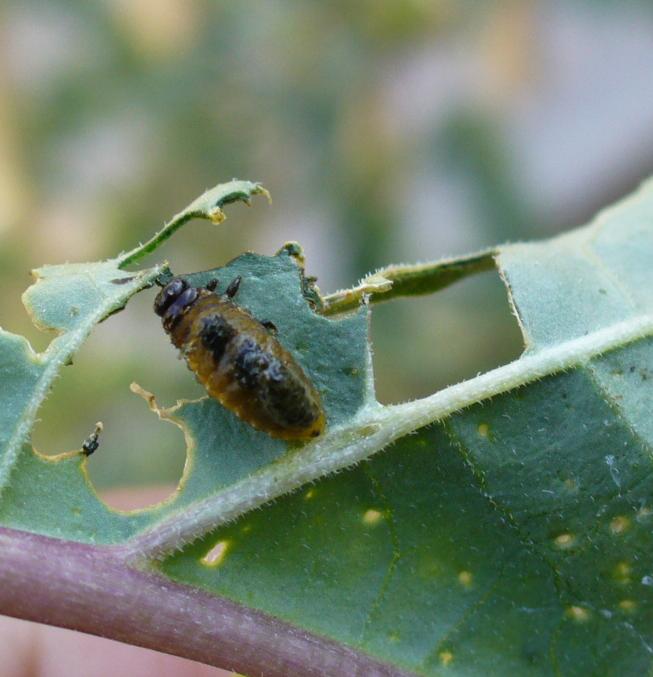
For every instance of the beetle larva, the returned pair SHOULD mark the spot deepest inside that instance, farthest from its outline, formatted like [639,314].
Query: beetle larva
[239,360]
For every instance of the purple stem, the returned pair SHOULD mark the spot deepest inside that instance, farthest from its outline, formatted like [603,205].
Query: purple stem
[91,589]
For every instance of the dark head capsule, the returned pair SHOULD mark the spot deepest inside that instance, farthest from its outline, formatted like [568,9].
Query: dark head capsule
[168,294]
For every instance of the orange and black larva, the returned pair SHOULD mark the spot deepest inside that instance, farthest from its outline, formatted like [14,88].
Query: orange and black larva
[239,361]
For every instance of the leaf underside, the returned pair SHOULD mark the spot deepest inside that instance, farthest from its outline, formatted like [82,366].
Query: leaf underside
[509,533]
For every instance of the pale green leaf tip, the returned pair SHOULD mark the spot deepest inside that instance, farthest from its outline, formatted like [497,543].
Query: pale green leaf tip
[209,205]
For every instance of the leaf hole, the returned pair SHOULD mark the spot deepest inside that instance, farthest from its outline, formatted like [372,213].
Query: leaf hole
[424,344]
[127,499]
[14,317]
[136,448]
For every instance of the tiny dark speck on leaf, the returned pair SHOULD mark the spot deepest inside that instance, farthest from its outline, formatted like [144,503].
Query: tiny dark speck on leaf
[602,291]
[122,280]
[92,442]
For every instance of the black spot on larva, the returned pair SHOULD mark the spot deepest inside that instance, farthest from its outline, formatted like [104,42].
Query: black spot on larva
[215,334]
[281,396]
[285,399]
[250,363]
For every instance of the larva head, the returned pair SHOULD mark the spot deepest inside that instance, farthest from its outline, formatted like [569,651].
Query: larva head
[174,298]
[166,297]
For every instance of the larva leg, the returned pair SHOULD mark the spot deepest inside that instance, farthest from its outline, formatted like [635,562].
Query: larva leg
[270,326]
[232,289]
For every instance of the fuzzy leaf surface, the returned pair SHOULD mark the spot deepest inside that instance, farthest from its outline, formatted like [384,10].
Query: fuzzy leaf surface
[512,537]
[501,526]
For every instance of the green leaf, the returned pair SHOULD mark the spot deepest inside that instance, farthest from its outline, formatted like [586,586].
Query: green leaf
[69,299]
[511,537]
[500,526]
[51,495]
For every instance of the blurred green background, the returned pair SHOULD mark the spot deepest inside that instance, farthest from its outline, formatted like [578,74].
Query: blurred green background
[386,130]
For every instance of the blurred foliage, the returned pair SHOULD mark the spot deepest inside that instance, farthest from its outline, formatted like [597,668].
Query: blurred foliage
[356,116]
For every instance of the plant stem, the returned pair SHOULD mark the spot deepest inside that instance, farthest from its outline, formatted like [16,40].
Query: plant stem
[91,589]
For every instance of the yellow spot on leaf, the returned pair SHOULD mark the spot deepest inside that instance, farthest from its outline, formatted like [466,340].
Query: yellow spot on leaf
[372,516]
[564,541]
[216,555]
[620,524]
[368,430]
[309,494]
[622,572]
[627,605]
[465,578]
[571,485]
[484,430]
[578,614]
[445,657]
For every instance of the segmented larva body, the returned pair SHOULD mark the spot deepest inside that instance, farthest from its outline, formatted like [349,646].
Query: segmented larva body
[239,360]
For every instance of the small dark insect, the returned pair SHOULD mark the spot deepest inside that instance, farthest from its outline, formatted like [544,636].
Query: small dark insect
[239,360]
[92,442]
